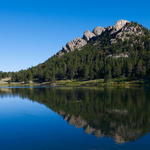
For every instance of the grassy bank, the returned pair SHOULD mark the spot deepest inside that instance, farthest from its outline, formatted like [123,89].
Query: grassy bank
[76,82]
[113,82]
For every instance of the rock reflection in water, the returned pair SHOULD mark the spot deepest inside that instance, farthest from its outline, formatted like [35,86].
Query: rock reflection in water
[123,114]
[120,134]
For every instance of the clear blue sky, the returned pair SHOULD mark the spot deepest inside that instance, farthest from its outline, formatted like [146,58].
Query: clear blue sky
[31,31]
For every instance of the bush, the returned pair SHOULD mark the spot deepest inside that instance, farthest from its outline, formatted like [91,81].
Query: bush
[27,81]
[9,81]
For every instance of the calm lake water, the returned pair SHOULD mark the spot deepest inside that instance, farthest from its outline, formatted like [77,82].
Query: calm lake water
[74,118]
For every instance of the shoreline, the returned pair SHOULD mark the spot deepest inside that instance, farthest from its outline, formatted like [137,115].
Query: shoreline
[75,82]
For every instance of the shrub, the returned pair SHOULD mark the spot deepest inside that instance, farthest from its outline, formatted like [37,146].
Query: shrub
[9,81]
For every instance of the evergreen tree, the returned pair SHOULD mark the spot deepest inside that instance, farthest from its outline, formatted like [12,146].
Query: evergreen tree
[85,72]
[107,73]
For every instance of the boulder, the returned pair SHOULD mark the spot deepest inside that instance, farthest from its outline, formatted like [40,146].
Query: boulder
[70,45]
[88,35]
[60,53]
[108,28]
[76,43]
[79,42]
[119,24]
[98,30]
[64,48]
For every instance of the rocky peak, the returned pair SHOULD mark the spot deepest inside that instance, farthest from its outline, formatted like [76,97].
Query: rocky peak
[98,30]
[65,49]
[88,35]
[79,42]
[119,24]
[123,30]
[108,28]
[70,45]
[128,30]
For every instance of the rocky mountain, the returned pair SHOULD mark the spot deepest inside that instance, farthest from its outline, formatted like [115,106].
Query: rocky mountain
[122,29]
[78,43]
[118,51]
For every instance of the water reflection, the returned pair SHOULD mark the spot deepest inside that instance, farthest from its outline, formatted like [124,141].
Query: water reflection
[123,114]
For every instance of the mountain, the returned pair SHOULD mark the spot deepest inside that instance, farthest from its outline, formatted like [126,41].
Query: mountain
[122,50]
[78,43]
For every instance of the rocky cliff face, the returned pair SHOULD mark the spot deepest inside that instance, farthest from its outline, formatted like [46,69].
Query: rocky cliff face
[120,29]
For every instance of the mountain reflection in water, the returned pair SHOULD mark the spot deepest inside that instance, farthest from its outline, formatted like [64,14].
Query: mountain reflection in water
[120,113]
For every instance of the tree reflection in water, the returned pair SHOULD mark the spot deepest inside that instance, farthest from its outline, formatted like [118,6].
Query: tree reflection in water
[121,113]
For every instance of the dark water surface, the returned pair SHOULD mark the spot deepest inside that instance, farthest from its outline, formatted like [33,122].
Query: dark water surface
[75,118]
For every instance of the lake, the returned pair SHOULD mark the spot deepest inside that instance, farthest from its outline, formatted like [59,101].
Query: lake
[74,118]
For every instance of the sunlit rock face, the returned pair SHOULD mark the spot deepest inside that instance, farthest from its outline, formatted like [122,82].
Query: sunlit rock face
[70,45]
[122,30]
[98,30]
[75,44]
[119,24]
[88,35]
[108,28]
[79,42]
[119,55]
[65,49]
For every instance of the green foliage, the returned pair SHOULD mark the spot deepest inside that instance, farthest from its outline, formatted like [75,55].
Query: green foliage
[9,81]
[26,81]
[85,72]
[0,76]
[29,76]
[107,73]
[91,74]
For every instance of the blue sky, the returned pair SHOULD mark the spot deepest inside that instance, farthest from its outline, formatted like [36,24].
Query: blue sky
[31,31]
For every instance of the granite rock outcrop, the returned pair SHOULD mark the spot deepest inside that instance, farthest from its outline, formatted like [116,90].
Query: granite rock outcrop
[119,24]
[88,35]
[98,30]
[122,30]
